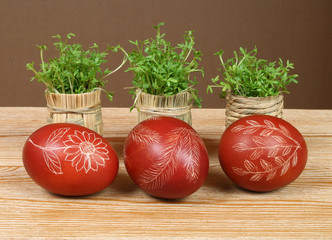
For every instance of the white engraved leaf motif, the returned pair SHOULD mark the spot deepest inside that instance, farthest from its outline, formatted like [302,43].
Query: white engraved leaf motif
[269,123]
[286,150]
[284,130]
[279,160]
[145,135]
[266,165]
[238,128]
[266,132]
[273,151]
[285,168]
[250,166]
[282,160]
[240,147]
[256,154]
[52,161]
[178,141]
[162,169]
[259,141]
[190,148]
[271,175]
[256,177]
[240,171]
[279,139]
[251,130]
[294,161]
[252,122]
[56,136]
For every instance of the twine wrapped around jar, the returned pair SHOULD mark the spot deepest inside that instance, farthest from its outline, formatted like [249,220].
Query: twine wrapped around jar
[239,106]
[178,106]
[82,109]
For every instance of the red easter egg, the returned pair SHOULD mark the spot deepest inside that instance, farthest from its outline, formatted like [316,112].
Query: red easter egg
[69,159]
[166,158]
[262,153]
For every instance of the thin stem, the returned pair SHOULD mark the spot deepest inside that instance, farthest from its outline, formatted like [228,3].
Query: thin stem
[45,148]
[125,58]
[241,60]
[42,59]
[192,45]
[222,62]
[270,147]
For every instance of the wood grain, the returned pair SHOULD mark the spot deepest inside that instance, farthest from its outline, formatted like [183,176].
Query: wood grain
[219,210]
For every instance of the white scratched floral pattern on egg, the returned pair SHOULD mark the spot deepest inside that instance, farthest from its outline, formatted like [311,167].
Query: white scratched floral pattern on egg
[85,151]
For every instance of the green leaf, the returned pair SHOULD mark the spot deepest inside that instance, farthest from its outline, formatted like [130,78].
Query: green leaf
[163,69]
[74,70]
[57,36]
[95,46]
[69,35]
[247,75]
[159,24]
[41,47]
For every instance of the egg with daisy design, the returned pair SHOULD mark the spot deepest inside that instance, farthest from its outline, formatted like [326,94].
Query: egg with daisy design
[69,159]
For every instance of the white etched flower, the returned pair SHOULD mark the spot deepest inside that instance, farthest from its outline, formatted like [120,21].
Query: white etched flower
[85,150]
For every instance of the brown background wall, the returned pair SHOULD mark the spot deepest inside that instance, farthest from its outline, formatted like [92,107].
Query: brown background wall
[298,30]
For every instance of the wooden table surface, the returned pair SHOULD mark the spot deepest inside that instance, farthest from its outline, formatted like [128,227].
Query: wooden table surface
[219,210]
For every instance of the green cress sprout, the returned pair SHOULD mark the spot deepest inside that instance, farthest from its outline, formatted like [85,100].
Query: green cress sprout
[249,76]
[75,71]
[162,69]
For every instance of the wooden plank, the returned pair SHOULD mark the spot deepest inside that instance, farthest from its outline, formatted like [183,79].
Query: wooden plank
[219,210]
